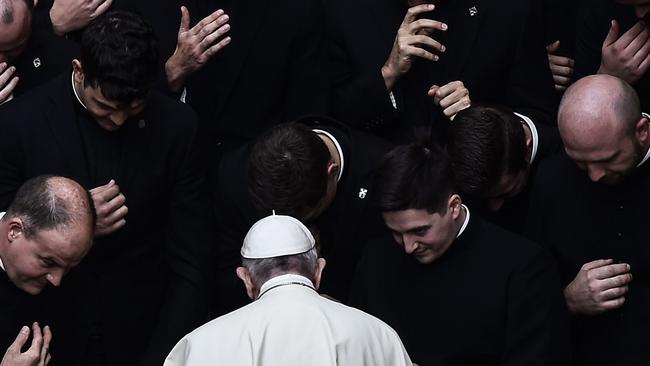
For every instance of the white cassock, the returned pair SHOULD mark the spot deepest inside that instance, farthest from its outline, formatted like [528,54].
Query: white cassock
[291,324]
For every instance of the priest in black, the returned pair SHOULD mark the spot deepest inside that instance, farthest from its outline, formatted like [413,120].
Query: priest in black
[458,290]
[46,230]
[589,209]
[145,283]
[315,169]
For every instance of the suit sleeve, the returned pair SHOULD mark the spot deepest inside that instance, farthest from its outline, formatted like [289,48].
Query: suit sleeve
[530,89]
[536,317]
[590,34]
[190,252]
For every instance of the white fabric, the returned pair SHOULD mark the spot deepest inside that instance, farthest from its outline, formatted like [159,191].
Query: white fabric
[275,236]
[291,325]
[647,153]
[393,101]
[464,226]
[338,148]
[2,266]
[533,131]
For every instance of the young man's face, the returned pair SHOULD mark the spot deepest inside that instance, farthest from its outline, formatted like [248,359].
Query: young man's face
[508,187]
[33,263]
[422,234]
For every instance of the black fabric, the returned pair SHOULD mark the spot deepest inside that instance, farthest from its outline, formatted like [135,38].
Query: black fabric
[498,54]
[45,57]
[17,309]
[581,221]
[343,227]
[493,298]
[594,22]
[143,287]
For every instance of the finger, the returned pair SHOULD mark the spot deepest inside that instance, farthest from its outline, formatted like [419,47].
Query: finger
[638,42]
[597,263]
[561,80]
[612,304]
[561,70]
[645,64]
[641,54]
[114,227]
[114,203]
[106,195]
[612,35]
[414,11]
[609,271]
[205,21]
[6,72]
[553,47]
[420,52]
[20,340]
[561,61]
[47,337]
[425,40]
[426,24]
[116,216]
[613,293]
[37,340]
[449,89]
[48,358]
[616,281]
[560,88]
[6,93]
[101,9]
[213,26]
[432,90]
[630,35]
[213,50]
[208,41]
[102,188]
[457,96]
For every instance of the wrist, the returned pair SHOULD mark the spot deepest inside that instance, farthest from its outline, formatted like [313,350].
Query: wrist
[57,27]
[175,75]
[390,77]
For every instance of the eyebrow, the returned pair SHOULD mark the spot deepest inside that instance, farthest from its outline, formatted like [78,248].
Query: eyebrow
[103,104]
[418,228]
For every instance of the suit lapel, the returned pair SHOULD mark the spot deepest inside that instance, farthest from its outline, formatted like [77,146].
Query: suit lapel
[63,124]
[463,37]
[249,23]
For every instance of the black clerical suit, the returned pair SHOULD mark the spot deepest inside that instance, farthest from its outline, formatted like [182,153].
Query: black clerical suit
[496,48]
[143,287]
[493,298]
[581,221]
[342,228]
[44,58]
[17,309]
[594,22]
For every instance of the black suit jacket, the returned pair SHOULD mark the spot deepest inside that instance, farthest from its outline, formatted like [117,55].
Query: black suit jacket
[143,287]
[17,309]
[581,221]
[498,53]
[343,227]
[493,298]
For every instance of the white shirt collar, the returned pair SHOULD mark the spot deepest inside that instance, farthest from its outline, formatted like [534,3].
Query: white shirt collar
[533,131]
[338,148]
[74,90]
[647,153]
[464,226]
[283,280]
[2,266]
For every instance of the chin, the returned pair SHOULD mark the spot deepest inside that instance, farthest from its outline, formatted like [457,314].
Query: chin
[32,289]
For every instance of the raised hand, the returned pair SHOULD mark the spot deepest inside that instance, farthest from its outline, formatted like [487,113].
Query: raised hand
[561,67]
[627,56]
[452,98]
[71,15]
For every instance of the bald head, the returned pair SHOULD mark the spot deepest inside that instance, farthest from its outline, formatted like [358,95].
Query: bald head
[15,27]
[51,202]
[602,127]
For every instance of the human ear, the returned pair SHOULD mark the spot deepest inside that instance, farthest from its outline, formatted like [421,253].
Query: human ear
[78,71]
[15,229]
[332,169]
[245,276]
[320,265]
[642,128]
[455,205]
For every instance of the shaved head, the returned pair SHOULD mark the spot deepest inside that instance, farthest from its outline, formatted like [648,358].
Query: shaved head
[600,121]
[15,27]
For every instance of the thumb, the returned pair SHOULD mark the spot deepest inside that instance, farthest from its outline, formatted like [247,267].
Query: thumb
[432,90]
[185,20]
[553,47]
[612,36]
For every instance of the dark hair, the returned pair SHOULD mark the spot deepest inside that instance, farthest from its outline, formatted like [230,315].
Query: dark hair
[484,143]
[415,176]
[7,10]
[43,207]
[119,53]
[288,170]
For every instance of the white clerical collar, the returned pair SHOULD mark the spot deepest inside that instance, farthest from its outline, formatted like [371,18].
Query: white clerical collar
[74,90]
[285,280]
[338,148]
[464,226]
[2,266]
[647,153]
[533,131]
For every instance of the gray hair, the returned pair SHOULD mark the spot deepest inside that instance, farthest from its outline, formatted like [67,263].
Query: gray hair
[262,270]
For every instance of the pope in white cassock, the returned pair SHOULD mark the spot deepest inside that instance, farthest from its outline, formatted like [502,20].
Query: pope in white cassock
[289,323]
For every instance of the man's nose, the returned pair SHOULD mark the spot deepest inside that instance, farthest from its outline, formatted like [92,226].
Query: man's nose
[410,245]
[118,118]
[595,173]
[55,277]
